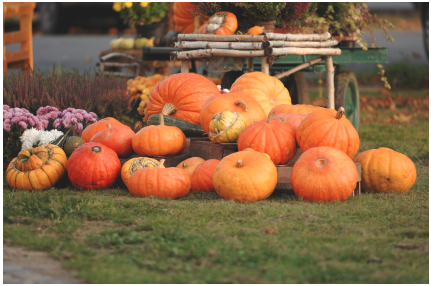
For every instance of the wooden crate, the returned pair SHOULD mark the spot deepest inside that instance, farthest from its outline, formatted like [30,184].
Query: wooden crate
[205,149]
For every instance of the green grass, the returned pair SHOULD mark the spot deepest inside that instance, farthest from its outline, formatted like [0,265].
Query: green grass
[108,236]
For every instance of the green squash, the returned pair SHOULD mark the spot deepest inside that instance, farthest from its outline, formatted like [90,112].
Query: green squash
[189,129]
[71,144]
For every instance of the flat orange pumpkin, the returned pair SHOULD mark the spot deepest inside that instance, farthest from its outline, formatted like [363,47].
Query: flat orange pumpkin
[296,108]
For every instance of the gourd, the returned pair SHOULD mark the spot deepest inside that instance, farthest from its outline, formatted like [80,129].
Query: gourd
[189,129]
[202,178]
[118,138]
[98,126]
[72,143]
[189,165]
[60,140]
[221,23]
[245,177]
[296,108]
[384,170]
[37,169]
[226,127]
[256,30]
[134,164]
[324,174]
[327,127]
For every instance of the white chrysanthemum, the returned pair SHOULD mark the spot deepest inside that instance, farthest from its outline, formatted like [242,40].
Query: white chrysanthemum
[26,145]
[44,138]
[30,137]
[56,133]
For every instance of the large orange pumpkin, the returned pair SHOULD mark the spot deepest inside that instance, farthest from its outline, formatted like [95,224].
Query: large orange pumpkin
[245,177]
[159,140]
[202,178]
[37,169]
[93,166]
[181,96]
[324,174]
[234,102]
[189,165]
[184,18]
[297,108]
[221,23]
[135,164]
[266,90]
[385,170]
[118,138]
[272,137]
[97,127]
[291,119]
[159,182]
[327,127]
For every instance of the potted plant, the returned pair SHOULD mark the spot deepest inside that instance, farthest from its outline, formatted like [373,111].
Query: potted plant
[148,18]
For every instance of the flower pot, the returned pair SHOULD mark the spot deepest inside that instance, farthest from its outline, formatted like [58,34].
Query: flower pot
[151,30]
[268,26]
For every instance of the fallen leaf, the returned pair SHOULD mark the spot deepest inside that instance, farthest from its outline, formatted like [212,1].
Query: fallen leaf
[212,252]
[405,246]
[280,216]
[385,91]
[39,228]
[403,118]
[135,220]
[374,259]
[269,231]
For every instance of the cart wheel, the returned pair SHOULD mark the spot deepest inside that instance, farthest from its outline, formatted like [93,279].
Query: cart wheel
[296,84]
[347,95]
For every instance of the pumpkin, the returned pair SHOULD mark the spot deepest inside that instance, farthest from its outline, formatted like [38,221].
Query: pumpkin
[37,169]
[93,166]
[202,28]
[385,170]
[98,126]
[265,89]
[221,23]
[159,182]
[235,102]
[181,96]
[184,18]
[271,137]
[189,165]
[324,174]
[327,127]
[135,164]
[72,143]
[251,149]
[118,138]
[256,30]
[245,177]
[159,140]
[297,108]
[202,178]
[226,127]
[291,119]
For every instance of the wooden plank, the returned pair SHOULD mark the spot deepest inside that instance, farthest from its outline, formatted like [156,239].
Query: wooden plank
[15,37]
[220,38]
[15,56]
[205,149]
[17,9]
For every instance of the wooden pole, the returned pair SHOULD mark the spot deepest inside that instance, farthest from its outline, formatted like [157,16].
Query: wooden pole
[330,82]
[217,45]
[208,53]
[185,66]
[302,51]
[278,44]
[264,65]
[220,38]
[297,37]
[250,62]
[297,68]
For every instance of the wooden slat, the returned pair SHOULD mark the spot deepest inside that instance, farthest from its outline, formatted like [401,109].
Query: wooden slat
[15,56]
[15,37]
[16,9]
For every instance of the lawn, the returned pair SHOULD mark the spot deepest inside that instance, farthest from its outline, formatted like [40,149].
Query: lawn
[108,236]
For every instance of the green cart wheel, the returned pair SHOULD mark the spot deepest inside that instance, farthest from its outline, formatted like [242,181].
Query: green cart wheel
[347,95]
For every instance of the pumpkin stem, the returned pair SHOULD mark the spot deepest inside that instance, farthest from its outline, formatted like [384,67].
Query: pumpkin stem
[281,119]
[108,125]
[161,120]
[169,109]
[185,165]
[271,116]
[239,163]
[242,103]
[161,163]
[96,149]
[321,163]
[340,112]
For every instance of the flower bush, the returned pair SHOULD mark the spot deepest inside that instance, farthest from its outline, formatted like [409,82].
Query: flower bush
[33,137]
[141,13]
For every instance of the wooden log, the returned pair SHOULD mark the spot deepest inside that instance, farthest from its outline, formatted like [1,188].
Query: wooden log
[208,53]
[297,37]
[264,65]
[185,66]
[297,68]
[220,38]
[250,66]
[330,82]
[218,45]
[278,44]
[302,51]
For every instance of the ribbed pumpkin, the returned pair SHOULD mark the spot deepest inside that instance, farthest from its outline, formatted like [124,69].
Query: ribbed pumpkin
[221,23]
[38,169]
[181,96]
[296,108]
[226,127]
[327,127]
[202,178]
[324,174]
[189,165]
[159,140]
[184,19]
[72,143]
[385,170]
[291,119]
[251,149]
[98,126]
[93,166]
[245,177]
[265,89]
[118,138]
[135,164]
[159,182]
[271,137]
[235,102]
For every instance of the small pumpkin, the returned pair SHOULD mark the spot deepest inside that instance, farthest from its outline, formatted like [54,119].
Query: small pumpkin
[135,164]
[221,23]
[324,174]
[72,143]
[384,170]
[159,140]
[93,166]
[245,177]
[118,138]
[202,177]
[271,137]
[327,127]
[265,89]
[256,30]
[98,126]
[189,165]
[37,169]
[160,182]
[296,108]
[226,127]
[184,17]
[291,119]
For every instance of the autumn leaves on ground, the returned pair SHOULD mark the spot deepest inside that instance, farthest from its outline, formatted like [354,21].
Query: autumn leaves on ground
[108,236]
